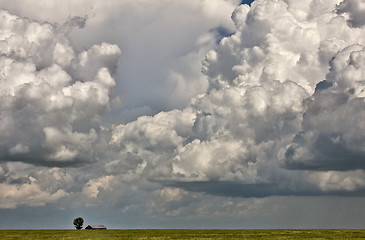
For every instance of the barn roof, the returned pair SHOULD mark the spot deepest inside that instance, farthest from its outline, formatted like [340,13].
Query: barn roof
[95,227]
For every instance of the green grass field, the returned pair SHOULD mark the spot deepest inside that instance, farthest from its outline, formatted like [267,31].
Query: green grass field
[182,234]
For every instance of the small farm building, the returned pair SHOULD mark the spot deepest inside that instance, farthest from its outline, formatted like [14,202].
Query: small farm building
[95,227]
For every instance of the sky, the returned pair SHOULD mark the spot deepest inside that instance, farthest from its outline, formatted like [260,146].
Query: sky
[182,113]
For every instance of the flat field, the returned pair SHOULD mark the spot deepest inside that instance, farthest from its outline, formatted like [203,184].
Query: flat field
[182,234]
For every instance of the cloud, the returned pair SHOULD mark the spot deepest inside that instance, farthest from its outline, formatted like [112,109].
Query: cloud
[274,109]
[267,110]
[163,44]
[355,11]
[26,194]
[332,138]
[53,99]
[22,185]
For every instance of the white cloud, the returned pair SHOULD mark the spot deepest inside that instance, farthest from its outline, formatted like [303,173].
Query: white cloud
[91,189]
[264,91]
[26,194]
[21,185]
[163,43]
[52,100]
[19,148]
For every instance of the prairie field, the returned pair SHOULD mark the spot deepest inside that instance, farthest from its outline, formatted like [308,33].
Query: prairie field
[182,234]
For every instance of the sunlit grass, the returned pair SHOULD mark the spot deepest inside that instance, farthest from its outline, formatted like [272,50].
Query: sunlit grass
[182,234]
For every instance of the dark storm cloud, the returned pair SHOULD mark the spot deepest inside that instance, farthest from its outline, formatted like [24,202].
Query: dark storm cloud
[327,152]
[235,189]
[355,9]
[333,136]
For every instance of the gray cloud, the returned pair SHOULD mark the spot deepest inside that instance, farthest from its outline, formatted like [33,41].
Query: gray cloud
[235,189]
[332,136]
[355,11]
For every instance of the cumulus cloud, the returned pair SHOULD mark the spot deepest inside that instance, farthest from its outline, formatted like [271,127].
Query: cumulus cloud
[281,90]
[355,11]
[26,194]
[165,39]
[57,84]
[332,136]
[52,99]
[22,185]
[276,111]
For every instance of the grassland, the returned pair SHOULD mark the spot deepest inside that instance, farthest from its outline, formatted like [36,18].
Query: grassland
[181,234]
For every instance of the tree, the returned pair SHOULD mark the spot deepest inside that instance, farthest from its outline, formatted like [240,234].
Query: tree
[78,222]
